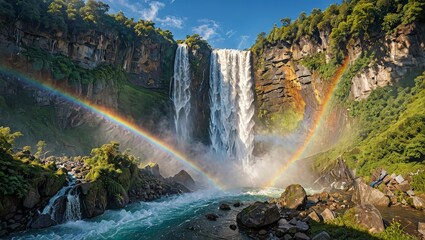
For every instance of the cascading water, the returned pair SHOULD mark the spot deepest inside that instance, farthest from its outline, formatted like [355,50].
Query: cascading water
[181,93]
[232,104]
[72,210]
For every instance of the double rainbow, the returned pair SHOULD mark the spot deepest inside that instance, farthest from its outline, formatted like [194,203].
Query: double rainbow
[117,119]
[317,122]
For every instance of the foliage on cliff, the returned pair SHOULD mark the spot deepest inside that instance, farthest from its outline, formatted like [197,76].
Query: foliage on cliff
[117,170]
[195,42]
[66,16]
[392,135]
[346,23]
[21,170]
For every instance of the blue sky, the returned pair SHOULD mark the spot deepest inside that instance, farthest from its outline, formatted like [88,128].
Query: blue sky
[223,23]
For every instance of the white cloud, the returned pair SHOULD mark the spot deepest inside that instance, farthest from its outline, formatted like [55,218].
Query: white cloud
[152,12]
[208,29]
[230,33]
[172,1]
[243,41]
[171,21]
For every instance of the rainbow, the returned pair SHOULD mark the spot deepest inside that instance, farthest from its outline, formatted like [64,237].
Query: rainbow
[117,119]
[317,122]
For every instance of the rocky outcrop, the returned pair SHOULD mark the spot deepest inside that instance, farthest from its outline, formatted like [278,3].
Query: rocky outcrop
[258,215]
[184,179]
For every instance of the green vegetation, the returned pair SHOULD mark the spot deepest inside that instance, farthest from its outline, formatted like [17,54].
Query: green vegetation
[195,42]
[350,21]
[282,122]
[20,171]
[344,227]
[63,68]
[116,170]
[392,132]
[317,62]
[140,102]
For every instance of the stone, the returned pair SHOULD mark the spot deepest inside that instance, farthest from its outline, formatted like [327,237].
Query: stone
[233,227]
[211,216]
[301,236]
[283,221]
[258,215]
[364,193]
[262,232]
[327,215]
[32,198]
[287,237]
[294,197]
[85,187]
[293,221]
[421,228]
[314,216]
[417,202]
[368,216]
[302,226]
[404,186]
[237,204]
[14,226]
[288,228]
[324,196]
[322,236]
[410,193]
[399,179]
[42,221]
[386,179]
[224,207]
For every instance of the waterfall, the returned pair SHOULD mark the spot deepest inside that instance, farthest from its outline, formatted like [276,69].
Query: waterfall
[72,209]
[232,104]
[181,93]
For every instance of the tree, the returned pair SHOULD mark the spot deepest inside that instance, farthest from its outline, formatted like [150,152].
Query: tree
[93,11]
[73,9]
[40,148]
[414,10]
[285,22]
[28,10]
[7,139]
[6,11]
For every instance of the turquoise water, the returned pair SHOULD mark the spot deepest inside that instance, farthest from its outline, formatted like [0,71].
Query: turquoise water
[176,217]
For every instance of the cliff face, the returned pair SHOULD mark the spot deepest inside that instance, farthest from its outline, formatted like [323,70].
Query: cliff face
[146,62]
[283,83]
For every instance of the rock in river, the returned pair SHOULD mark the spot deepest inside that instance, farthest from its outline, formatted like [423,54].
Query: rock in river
[258,215]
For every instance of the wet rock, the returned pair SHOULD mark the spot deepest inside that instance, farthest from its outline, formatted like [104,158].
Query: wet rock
[368,216]
[301,236]
[288,228]
[327,215]
[14,226]
[363,194]
[224,207]
[237,204]
[85,187]
[258,215]
[42,221]
[233,227]
[262,232]
[322,236]
[287,237]
[32,198]
[153,170]
[294,197]
[211,216]
[302,226]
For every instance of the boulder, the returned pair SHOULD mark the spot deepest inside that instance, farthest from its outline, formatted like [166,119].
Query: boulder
[211,216]
[421,228]
[153,169]
[404,186]
[322,236]
[258,215]
[84,187]
[367,216]
[32,198]
[314,216]
[327,215]
[294,197]
[301,236]
[417,202]
[184,179]
[42,221]
[224,206]
[364,193]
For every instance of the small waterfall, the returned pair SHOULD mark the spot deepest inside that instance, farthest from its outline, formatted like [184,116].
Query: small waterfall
[232,104]
[181,93]
[72,210]
[67,197]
